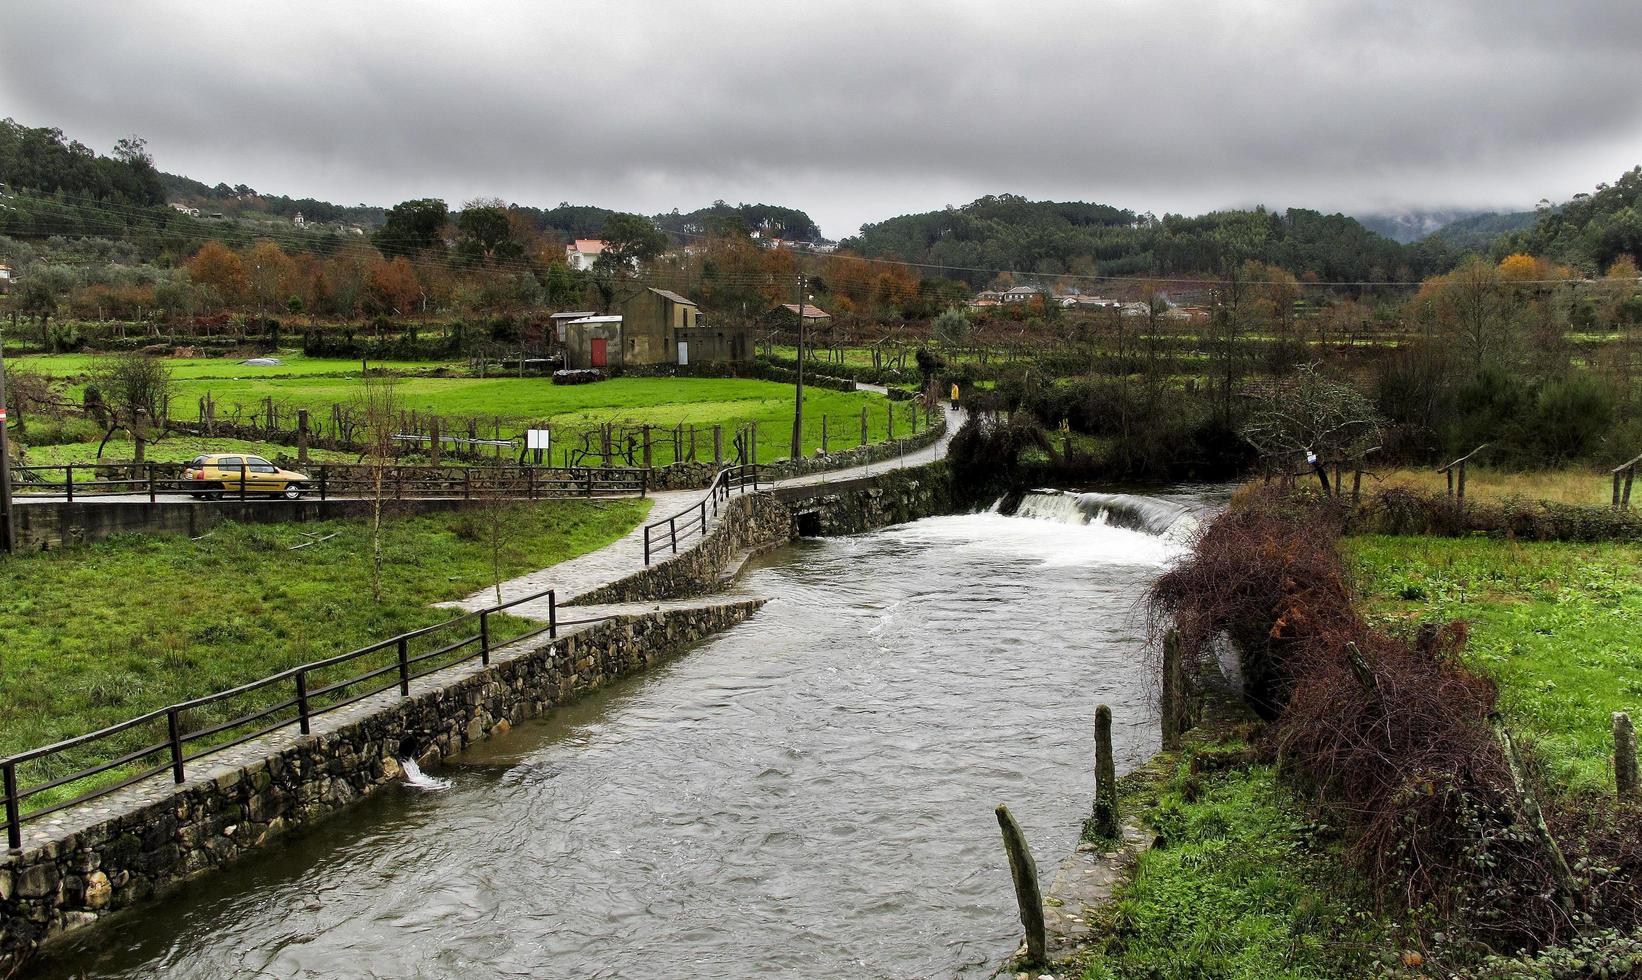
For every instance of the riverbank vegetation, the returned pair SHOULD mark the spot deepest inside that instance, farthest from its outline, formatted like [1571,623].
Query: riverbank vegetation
[95,634]
[1461,761]
[1240,882]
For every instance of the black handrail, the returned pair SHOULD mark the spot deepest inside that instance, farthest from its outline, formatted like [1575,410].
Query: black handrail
[176,742]
[694,517]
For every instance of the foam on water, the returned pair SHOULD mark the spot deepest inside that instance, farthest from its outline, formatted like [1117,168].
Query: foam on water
[414,776]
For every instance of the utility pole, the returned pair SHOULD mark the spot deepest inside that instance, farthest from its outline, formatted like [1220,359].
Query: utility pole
[798,407]
[8,537]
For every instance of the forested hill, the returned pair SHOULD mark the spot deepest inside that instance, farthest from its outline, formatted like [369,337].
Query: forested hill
[1482,232]
[587,221]
[1052,238]
[1591,231]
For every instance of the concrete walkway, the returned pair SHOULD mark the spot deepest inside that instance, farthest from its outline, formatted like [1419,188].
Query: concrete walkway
[617,560]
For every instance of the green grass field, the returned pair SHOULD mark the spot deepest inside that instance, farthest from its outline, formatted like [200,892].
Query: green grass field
[171,449]
[1557,625]
[96,634]
[316,384]
[1243,889]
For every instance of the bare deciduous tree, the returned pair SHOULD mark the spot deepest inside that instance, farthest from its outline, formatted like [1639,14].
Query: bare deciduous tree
[1327,422]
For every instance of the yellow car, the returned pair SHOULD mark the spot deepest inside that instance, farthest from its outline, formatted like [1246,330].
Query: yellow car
[215,474]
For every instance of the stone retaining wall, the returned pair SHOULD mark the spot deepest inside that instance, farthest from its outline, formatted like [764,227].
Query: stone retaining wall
[747,522]
[165,834]
[870,502]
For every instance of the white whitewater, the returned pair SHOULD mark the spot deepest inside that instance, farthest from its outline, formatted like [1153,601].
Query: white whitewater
[414,776]
[1151,515]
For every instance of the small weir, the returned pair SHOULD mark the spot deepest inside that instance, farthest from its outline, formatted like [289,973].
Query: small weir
[809,794]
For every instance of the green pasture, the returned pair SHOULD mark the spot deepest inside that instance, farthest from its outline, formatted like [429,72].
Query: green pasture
[1557,625]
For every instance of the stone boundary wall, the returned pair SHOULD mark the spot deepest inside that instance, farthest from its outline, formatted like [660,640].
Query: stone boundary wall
[747,522]
[42,525]
[870,502]
[222,811]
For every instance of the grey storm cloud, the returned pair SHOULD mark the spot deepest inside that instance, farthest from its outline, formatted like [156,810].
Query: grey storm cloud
[852,110]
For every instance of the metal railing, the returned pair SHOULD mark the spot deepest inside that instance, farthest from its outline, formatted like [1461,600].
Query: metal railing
[302,693]
[664,535]
[79,480]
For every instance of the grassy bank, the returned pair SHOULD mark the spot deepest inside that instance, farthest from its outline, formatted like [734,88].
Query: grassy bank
[90,636]
[1555,624]
[1240,885]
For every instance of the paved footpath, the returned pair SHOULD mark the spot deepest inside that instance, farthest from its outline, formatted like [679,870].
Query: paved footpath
[623,557]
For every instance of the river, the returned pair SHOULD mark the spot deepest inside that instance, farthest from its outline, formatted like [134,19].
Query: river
[809,794]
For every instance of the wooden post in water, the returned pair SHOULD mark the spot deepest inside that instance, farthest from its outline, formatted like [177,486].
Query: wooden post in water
[1624,756]
[1105,776]
[1027,895]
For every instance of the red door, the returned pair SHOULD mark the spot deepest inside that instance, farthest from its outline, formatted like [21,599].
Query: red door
[599,356]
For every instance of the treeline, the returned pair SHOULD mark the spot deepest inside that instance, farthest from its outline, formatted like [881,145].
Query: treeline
[45,160]
[1050,238]
[1592,231]
[568,222]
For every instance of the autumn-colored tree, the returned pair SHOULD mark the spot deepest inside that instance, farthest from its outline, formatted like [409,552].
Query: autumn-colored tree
[392,287]
[1471,307]
[221,271]
[271,275]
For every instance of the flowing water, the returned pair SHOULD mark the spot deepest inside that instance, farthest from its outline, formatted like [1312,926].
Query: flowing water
[809,794]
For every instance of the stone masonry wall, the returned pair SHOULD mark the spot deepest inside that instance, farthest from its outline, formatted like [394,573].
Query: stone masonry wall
[747,522]
[870,502]
[207,822]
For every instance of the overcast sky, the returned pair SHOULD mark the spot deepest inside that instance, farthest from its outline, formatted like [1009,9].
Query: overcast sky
[854,111]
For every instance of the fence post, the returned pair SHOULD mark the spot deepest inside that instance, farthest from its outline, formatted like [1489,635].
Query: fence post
[823,434]
[1528,801]
[863,425]
[150,468]
[692,442]
[1169,692]
[530,482]
[68,481]
[467,483]
[647,544]
[1462,482]
[1625,500]
[174,736]
[647,456]
[302,701]
[302,437]
[484,637]
[672,532]
[244,477]
[14,819]
[1105,775]
[404,667]
[718,445]
[1615,489]
[436,452]
[552,614]
[752,442]
[1024,871]
[1624,756]
[322,487]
